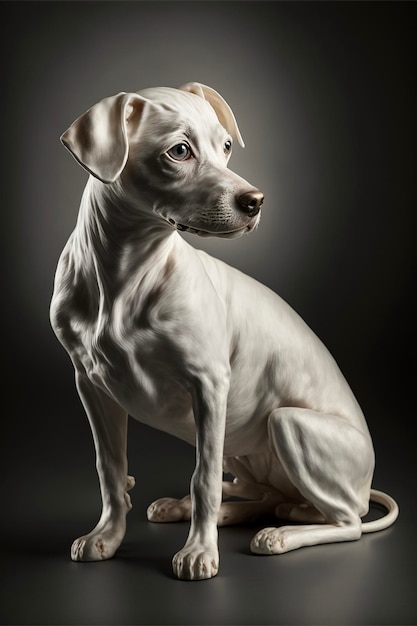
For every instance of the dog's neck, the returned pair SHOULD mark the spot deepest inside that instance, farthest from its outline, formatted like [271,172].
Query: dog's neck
[118,240]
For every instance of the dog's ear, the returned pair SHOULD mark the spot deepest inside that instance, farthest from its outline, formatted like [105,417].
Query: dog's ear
[98,138]
[220,106]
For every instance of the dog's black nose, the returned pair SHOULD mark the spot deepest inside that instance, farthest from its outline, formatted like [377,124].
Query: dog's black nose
[251,201]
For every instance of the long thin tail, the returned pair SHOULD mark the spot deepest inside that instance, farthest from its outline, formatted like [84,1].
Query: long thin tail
[384,522]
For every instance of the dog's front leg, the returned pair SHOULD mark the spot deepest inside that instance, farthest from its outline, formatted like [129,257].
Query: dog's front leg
[108,423]
[199,559]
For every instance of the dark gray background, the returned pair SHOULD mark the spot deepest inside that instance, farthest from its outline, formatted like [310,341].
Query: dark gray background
[323,93]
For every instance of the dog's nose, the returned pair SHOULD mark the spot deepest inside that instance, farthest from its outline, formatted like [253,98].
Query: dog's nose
[251,201]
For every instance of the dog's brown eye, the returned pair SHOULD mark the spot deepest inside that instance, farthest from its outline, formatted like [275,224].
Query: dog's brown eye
[180,152]
[227,146]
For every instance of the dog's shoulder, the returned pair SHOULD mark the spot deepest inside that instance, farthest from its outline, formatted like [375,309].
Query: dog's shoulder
[74,300]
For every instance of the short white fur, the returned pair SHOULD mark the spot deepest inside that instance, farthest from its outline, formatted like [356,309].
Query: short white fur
[181,341]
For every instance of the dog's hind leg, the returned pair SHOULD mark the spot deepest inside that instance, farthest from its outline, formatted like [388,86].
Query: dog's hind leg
[256,505]
[247,511]
[170,510]
[108,423]
[330,462]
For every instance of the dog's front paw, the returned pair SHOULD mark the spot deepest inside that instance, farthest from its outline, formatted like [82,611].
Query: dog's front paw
[196,564]
[97,546]
[90,549]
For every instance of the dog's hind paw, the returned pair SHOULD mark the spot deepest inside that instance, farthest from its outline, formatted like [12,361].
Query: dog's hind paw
[269,541]
[169,510]
[130,483]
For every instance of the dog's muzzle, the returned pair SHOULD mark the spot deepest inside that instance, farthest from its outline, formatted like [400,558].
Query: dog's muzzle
[237,219]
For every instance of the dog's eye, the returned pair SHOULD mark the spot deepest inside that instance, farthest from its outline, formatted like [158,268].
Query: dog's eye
[227,146]
[180,152]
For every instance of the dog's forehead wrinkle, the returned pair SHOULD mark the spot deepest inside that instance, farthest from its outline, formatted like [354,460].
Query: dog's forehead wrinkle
[179,111]
[210,133]
[172,100]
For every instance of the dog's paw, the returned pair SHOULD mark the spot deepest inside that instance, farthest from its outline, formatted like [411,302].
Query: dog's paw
[91,549]
[130,483]
[97,545]
[269,541]
[195,564]
[169,510]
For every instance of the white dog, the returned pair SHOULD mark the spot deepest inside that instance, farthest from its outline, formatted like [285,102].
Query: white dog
[179,340]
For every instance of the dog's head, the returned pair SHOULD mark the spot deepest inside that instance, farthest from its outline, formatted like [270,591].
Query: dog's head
[168,150]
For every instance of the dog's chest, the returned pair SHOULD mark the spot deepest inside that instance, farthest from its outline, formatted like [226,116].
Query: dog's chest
[125,353]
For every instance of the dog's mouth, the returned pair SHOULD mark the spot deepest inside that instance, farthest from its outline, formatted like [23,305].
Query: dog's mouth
[229,234]
[207,233]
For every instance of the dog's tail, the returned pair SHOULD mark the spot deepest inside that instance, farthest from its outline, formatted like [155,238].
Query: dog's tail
[379,497]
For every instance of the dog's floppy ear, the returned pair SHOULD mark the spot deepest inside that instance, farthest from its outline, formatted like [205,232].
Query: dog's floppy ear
[220,106]
[98,138]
